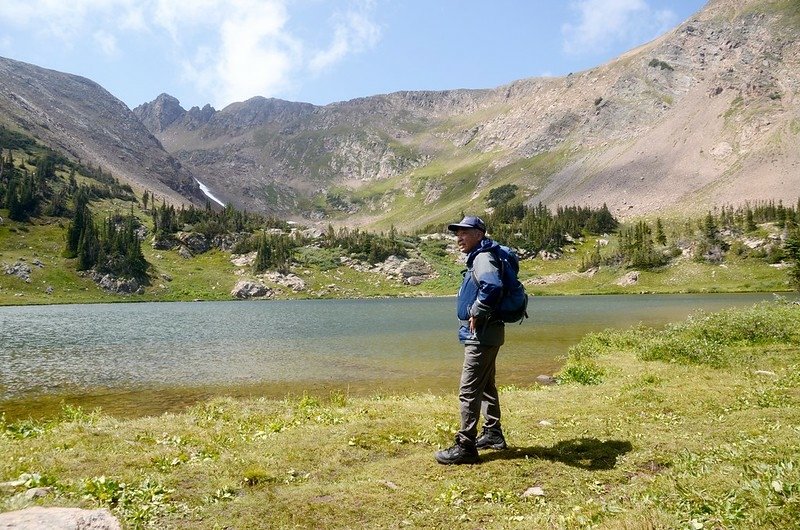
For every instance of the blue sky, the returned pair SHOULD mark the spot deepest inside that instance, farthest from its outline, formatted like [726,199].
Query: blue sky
[321,51]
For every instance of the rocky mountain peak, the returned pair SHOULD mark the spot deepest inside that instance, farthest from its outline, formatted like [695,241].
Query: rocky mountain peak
[160,113]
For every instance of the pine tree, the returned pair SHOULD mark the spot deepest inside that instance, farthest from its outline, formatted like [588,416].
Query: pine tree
[792,248]
[750,224]
[88,247]
[661,237]
[76,227]
[263,255]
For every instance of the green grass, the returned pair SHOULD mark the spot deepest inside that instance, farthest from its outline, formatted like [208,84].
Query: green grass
[670,442]
[211,276]
[683,275]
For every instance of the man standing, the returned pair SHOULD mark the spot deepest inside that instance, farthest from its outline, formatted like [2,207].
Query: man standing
[482,336]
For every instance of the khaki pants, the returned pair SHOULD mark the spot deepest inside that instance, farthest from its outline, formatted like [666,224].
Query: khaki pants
[478,392]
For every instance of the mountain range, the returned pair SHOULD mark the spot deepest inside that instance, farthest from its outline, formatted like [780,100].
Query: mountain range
[705,115]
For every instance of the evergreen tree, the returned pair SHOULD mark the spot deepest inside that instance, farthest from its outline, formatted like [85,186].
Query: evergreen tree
[76,227]
[710,230]
[750,224]
[16,211]
[88,246]
[661,237]
[792,248]
[263,255]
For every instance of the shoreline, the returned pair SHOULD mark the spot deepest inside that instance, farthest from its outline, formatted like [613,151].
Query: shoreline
[531,294]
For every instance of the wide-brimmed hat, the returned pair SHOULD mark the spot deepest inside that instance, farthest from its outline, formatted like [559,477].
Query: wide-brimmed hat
[469,221]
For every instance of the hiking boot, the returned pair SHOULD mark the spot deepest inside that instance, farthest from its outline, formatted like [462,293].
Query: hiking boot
[460,453]
[491,439]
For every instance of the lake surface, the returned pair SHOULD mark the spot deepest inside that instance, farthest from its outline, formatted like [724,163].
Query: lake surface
[135,359]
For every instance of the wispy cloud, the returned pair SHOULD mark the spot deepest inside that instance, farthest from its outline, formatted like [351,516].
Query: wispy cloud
[106,42]
[603,23]
[354,32]
[230,50]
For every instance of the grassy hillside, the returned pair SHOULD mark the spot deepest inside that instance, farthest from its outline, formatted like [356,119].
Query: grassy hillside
[211,275]
[694,426]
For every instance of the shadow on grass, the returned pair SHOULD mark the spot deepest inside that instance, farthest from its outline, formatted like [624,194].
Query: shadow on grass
[585,453]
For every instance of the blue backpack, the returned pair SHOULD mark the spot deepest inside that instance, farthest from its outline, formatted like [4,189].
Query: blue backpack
[513,305]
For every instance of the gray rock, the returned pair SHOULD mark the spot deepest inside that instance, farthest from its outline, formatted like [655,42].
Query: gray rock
[244,260]
[20,270]
[628,279]
[184,252]
[34,493]
[549,256]
[195,242]
[545,379]
[250,289]
[116,285]
[415,268]
[292,281]
[226,242]
[38,518]
[164,243]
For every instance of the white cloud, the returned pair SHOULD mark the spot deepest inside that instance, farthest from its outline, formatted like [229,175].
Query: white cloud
[57,19]
[603,23]
[354,32]
[106,42]
[230,50]
[256,56]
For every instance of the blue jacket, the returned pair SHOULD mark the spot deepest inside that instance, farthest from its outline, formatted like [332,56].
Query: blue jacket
[478,299]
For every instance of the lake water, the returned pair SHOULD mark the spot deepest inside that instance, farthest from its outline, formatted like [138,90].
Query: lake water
[135,359]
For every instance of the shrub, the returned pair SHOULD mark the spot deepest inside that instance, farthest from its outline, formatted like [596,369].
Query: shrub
[584,373]
[657,63]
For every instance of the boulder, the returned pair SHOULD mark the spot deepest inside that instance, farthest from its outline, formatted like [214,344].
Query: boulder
[546,380]
[164,243]
[250,289]
[117,285]
[409,271]
[628,279]
[415,268]
[227,242]
[292,281]
[244,260]
[20,270]
[37,518]
[549,256]
[194,241]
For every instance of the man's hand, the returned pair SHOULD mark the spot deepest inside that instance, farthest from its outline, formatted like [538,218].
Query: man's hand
[472,324]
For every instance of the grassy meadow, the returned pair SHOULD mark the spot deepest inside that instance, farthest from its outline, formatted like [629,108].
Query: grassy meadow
[211,275]
[693,426]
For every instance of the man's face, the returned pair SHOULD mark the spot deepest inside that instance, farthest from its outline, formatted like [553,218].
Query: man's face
[468,238]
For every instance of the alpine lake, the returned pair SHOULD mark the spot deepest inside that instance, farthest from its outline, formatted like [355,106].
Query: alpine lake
[134,359]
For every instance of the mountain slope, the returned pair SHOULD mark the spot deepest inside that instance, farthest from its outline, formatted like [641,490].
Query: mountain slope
[79,118]
[706,114]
